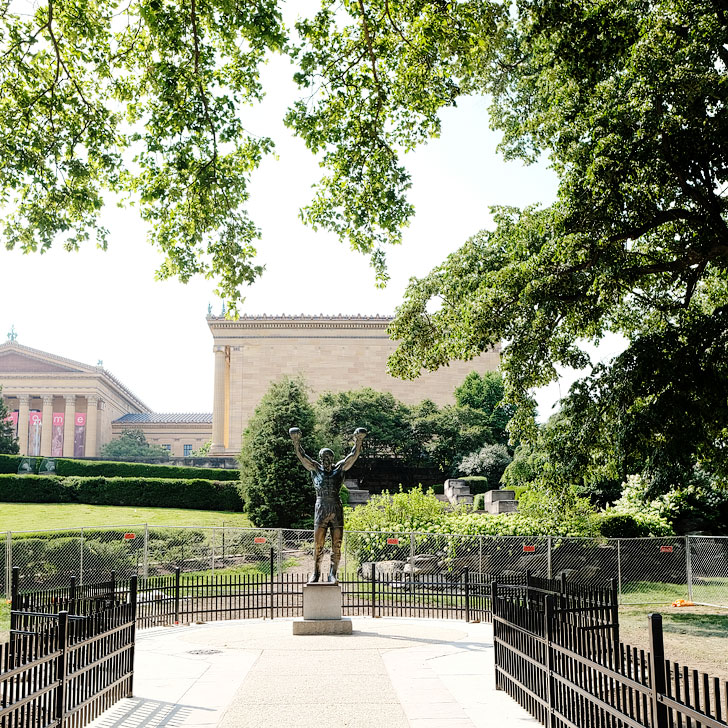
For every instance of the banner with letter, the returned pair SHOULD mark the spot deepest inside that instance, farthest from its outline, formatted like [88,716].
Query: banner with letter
[35,423]
[79,435]
[57,435]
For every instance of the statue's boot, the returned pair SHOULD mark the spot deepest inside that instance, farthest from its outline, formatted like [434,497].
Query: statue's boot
[314,577]
[332,576]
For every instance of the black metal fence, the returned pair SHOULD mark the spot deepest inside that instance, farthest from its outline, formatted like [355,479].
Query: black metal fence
[70,656]
[558,654]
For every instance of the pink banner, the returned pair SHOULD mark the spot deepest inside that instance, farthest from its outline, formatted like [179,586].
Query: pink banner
[35,424]
[57,435]
[79,438]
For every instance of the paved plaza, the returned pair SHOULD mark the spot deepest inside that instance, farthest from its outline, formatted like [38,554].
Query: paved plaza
[391,673]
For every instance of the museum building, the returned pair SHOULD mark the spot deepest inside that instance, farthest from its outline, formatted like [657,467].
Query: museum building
[62,407]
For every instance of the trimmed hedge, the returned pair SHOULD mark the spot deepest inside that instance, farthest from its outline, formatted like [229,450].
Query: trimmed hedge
[112,469]
[208,495]
[478,483]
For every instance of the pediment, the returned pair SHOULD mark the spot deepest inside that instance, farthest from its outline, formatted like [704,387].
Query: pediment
[15,362]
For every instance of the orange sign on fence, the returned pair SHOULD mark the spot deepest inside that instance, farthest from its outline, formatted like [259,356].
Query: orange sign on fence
[129,536]
[259,539]
[392,542]
[529,548]
[665,549]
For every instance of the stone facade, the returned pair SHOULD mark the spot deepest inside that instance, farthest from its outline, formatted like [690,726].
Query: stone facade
[333,353]
[41,386]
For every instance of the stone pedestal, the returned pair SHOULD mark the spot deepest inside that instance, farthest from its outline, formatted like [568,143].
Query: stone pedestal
[322,611]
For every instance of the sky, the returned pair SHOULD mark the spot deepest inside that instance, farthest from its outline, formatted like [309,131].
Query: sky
[106,306]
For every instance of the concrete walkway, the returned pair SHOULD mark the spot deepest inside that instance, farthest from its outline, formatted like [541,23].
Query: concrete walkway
[391,673]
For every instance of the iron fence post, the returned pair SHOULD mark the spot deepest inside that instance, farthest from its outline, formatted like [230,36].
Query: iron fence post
[133,600]
[480,555]
[528,591]
[615,620]
[272,577]
[61,670]
[145,568]
[467,594]
[280,553]
[14,606]
[374,589]
[659,678]
[689,567]
[548,664]
[72,594]
[493,614]
[176,594]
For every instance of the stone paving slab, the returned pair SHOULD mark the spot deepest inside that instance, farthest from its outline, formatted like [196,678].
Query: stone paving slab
[391,673]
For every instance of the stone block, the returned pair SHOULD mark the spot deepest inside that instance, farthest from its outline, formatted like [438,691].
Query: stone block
[322,626]
[321,601]
[504,506]
[500,495]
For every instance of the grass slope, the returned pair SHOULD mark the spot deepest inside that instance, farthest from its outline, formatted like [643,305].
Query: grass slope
[42,516]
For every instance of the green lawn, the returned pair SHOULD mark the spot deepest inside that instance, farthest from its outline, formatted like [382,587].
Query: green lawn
[42,516]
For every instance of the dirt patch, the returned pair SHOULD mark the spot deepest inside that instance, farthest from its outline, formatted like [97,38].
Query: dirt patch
[693,636]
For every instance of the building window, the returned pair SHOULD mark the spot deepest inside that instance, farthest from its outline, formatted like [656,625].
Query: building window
[188,451]
[168,448]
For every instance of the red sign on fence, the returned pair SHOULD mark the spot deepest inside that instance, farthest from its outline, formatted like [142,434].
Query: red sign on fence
[129,536]
[529,549]
[392,542]
[666,549]
[259,539]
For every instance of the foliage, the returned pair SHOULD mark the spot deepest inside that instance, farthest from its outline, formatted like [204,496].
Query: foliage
[628,525]
[116,469]
[628,101]
[386,419]
[203,450]
[411,510]
[489,462]
[700,505]
[542,514]
[479,502]
[191,493]
[486,392]
[8,441]
[449,433]
[132,444]
[276,488]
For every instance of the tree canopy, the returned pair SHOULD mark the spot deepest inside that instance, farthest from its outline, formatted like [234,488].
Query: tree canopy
[626,99]
[132,444]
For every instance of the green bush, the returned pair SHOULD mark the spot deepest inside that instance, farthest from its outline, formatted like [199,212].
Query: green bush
[438,489]
[478,483]
[154,492]
[112,469]
[9,464]
[34,489]
[623,525]
[479,502]
[344,495]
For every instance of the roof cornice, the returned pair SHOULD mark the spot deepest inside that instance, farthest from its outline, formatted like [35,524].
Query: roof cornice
[302,321]
[111,380]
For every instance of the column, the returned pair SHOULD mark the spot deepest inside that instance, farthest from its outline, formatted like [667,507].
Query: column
[46,431]
[218,402]
[23,414]
[69,424]
[91,425]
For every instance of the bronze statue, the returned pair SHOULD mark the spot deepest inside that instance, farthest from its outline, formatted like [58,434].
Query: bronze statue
[327,481]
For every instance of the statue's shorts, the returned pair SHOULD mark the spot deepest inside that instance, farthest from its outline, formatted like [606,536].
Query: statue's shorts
[328,513]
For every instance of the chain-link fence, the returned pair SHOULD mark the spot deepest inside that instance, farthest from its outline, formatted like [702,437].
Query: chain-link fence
[647,570]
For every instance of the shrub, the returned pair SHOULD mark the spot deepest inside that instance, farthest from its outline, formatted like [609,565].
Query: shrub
[628,525]
[277,489]
[154,492]
[490,462]
[9,464]
[344,495]
[478,484]
[111,469]
[479,502]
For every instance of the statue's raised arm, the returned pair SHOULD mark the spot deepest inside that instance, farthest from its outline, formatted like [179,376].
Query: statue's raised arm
[308,462]
[359,434]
